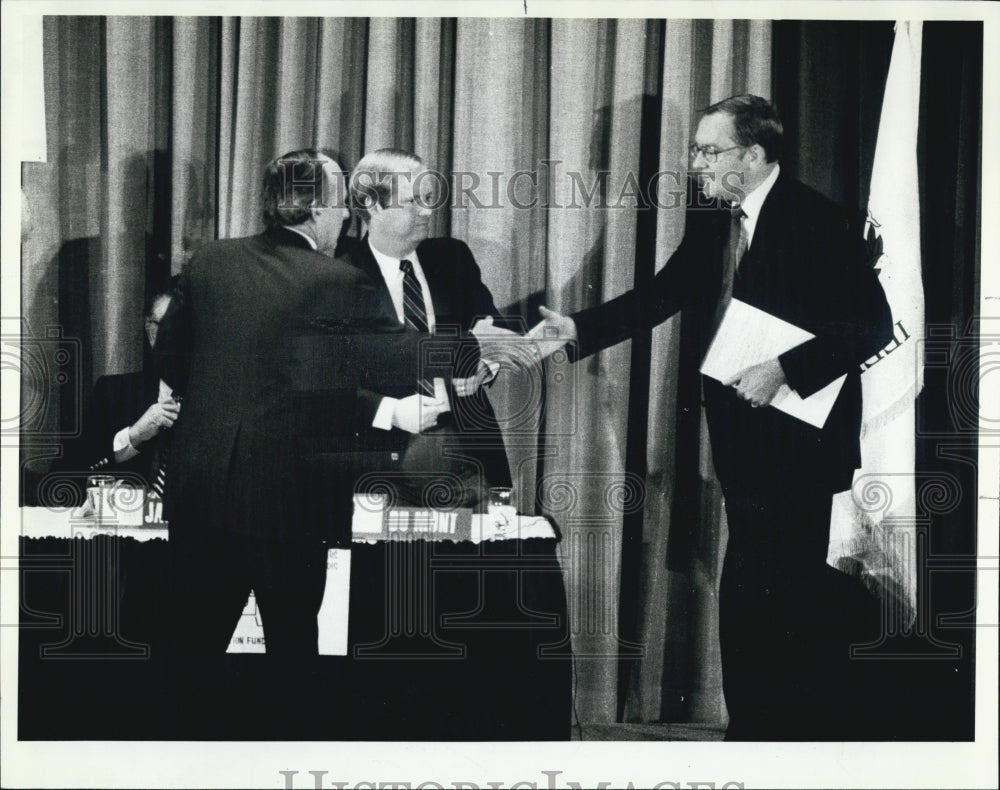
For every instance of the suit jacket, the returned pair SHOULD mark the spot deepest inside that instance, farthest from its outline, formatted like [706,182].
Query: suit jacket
[228,345]
[804,265]
[117,402]
[454,462]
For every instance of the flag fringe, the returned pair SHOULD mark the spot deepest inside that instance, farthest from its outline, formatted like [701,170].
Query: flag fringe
[869,556]
[888,415]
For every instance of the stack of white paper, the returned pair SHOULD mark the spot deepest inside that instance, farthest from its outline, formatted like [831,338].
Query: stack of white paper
[748,336]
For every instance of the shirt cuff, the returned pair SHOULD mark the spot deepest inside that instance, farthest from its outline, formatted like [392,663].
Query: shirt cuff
[123,447]
[441,394]
[383,416]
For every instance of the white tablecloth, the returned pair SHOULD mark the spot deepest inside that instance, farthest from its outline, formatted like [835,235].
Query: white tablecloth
[248,637]
[37,522]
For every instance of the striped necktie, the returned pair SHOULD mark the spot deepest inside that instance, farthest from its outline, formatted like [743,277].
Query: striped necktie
[415,311]
[160,457]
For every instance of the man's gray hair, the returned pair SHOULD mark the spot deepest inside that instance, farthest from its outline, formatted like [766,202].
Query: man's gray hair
[375,176]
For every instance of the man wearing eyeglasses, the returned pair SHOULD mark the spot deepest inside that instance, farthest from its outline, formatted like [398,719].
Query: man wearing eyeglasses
[772,242]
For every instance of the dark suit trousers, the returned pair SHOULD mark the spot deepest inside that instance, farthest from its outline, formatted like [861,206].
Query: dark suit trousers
[212,573]
[784,656]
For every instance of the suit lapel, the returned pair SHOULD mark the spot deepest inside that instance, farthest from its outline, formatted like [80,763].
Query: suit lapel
[435,264]
[768,232]
[767,275]
[361,257]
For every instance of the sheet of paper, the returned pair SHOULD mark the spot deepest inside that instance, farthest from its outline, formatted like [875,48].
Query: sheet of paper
[331,619]
[249,634]
[814,409]
[332,616]
[748,336]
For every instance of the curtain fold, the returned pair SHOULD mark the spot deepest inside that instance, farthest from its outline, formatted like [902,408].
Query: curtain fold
[489,146]
[256,113]
[129,139]
[389,105]
[340,78]
[596,120]
[159,129]
[655,606]
[194,135]
[433,101]
[295,83]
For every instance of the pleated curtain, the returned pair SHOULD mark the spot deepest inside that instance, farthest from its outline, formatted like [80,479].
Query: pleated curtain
[158,129]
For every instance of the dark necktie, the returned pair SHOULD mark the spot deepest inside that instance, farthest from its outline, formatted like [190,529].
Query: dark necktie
[161,454]
[415,312]
[414,309]
[736,247]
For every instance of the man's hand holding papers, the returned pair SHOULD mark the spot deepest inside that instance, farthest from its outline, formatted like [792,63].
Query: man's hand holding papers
[744,354]
[758,383]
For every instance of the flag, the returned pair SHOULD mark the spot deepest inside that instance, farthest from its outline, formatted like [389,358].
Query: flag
[874,526]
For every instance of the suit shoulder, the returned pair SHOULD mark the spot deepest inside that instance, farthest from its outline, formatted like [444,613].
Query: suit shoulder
[445,246]
[221,249]
[219,246]
[343,269]
[811,202]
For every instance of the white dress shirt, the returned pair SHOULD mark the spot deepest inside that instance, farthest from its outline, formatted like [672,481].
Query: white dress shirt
[122,446]
[392,275]
[753,203]
[306,236]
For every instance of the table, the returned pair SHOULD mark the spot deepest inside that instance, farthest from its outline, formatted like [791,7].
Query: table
[446,641]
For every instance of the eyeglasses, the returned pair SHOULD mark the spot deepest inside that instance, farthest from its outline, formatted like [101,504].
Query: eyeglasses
[710,152]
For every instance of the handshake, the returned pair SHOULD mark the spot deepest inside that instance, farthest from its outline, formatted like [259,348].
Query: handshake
[498,348]
[498,345]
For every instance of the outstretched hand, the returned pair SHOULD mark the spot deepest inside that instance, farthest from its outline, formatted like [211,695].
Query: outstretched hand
[552,332]
[502,346]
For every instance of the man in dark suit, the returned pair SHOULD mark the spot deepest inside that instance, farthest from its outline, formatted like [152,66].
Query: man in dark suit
[772,242]
[128,419]
[433,287]
[235,501]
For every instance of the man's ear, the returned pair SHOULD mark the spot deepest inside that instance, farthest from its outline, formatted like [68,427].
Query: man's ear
[758,154]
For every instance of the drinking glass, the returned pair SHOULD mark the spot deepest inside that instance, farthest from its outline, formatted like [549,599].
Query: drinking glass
[501,509]
[98,488]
